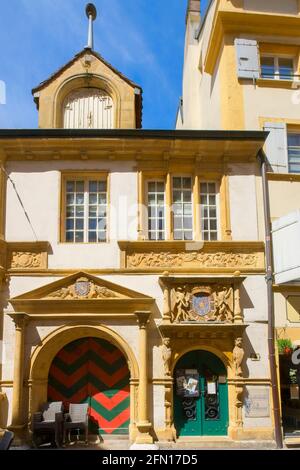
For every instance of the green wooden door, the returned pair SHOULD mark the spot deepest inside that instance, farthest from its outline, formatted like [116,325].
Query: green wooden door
[203,410]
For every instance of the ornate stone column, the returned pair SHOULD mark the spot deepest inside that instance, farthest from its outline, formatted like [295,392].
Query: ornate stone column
[167,304]
[143,425]
[17,423]
[238,357]
[238,315]
[133,408]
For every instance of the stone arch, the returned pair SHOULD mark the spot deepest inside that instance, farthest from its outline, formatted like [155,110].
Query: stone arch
[204,347]
[44,354]
[199,415]
[71,84]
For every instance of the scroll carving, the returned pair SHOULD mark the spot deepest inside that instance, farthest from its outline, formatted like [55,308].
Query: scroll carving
[83,288]
[206,260]
[25,260]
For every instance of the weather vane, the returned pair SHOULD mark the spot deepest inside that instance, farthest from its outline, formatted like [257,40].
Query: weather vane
[91,13]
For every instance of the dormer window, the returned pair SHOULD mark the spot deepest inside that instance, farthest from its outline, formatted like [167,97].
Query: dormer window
[88,108]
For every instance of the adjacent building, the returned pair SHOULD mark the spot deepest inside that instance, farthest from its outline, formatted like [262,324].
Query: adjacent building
[241,71]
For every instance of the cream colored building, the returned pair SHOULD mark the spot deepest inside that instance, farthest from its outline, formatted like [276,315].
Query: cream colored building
[136,255]
[241,71]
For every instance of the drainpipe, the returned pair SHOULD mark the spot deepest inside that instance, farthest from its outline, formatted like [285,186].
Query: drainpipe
[271,320]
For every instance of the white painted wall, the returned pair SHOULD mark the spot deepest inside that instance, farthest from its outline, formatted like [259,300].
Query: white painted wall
[256,341]
[243,210]
[269,102]
[254,299]
[38,184]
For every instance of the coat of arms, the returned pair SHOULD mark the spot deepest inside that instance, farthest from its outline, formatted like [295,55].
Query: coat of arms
[82,287]
[202,304]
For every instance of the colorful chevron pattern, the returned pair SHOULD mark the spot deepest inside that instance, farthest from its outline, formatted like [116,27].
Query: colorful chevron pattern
[93,370]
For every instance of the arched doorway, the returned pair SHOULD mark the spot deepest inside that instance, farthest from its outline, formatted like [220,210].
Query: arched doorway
[200,395]
[93,370]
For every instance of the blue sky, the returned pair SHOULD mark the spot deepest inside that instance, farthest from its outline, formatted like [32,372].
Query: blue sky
[144,39]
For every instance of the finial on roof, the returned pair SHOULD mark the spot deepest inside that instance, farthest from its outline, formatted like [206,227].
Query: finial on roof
[91,13]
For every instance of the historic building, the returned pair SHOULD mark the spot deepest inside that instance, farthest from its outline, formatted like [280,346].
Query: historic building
[241,72]
[133,261]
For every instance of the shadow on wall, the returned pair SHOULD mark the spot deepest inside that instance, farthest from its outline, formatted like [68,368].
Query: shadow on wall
[3,398]
[3,410]
[246,302]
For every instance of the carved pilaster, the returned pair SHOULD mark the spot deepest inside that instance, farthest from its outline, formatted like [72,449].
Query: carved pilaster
[167,305]
[144,425]
[20,321]
[239,394]
[143,319]
[238,314]
[238,356]
[167,356]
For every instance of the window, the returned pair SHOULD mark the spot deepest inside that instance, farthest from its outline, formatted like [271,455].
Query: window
[294,152]
[85,210]
[277,68]
[191,213]
[88,108]
[208,207]
[156,210]
[182,208]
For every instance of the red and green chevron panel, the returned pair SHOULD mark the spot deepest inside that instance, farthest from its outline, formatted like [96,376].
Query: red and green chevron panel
[95,371]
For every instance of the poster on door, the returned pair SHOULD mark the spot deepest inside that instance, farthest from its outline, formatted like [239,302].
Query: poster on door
[187,383]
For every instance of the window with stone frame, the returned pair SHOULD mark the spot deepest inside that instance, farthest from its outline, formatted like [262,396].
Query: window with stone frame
[85,209]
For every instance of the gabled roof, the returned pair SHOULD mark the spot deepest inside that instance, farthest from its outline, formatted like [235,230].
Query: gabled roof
[71,62]
[138,97]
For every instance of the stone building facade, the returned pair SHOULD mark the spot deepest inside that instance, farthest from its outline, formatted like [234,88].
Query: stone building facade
[132,267]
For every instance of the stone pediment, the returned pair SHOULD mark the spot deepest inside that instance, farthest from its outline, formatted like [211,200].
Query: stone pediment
[80,292]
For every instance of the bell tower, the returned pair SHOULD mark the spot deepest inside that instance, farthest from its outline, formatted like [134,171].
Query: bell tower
[88,92]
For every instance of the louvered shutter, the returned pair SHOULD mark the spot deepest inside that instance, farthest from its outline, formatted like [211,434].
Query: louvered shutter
[247,58]
[276,146]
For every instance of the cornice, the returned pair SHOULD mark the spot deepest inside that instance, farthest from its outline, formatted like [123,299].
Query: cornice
[239,22]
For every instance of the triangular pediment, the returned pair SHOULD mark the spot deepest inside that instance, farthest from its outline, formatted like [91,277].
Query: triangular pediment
[80,286]
[78,58]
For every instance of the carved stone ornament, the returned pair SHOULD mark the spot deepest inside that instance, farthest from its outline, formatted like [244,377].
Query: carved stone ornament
[206,260]
[238,356]
[25,260]
[166,356]
[202,304]
[83,288]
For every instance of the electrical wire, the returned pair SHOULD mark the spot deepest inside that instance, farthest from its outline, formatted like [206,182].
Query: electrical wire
[21,203]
